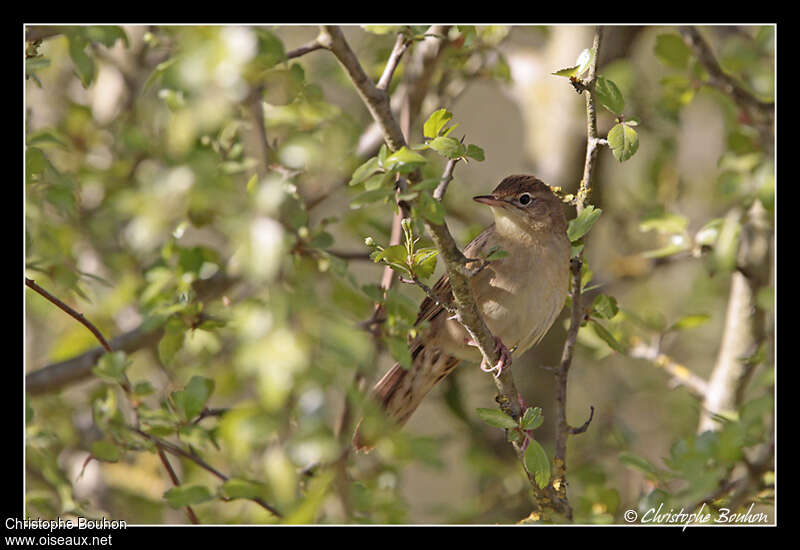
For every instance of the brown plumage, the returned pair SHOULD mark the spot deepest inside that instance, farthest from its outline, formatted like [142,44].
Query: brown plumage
[518,296]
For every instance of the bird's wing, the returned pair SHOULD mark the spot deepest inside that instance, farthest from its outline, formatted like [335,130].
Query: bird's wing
[429,309]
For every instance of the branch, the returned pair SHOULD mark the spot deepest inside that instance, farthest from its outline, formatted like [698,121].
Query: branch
[177,451]
[563,429]
[176,482]
[376,99]
[54,377]
[680,374]
[400,46]
[309,46]
[719,78]
[76,315]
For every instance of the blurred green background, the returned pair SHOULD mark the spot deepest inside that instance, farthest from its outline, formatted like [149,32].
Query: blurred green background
[147,173]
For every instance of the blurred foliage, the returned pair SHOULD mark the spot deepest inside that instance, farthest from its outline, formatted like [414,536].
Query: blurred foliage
[148,173]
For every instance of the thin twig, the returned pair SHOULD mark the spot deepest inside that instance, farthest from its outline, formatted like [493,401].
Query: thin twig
[563,429]
[309,46]
[176,482]
[400,46]
[175,450]
[30,283]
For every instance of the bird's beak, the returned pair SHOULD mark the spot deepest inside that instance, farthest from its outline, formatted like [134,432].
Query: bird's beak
[490,200]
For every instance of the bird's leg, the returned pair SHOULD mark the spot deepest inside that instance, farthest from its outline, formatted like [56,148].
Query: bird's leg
[504,361]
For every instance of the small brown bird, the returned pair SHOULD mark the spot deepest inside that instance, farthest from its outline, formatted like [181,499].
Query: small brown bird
[519,296]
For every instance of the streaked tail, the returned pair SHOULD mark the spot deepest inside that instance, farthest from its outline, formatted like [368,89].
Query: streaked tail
[400,391]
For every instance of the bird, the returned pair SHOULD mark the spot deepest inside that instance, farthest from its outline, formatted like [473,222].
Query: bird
[519,297]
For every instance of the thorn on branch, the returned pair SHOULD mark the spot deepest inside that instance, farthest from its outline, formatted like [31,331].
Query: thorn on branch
[583,427]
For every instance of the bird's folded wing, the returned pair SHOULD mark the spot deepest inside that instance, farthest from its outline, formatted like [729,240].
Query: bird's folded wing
[429,308]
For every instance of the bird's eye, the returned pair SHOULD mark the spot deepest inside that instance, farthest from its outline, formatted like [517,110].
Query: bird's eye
[525,199]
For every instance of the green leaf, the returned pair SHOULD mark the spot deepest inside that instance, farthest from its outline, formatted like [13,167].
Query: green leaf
[404,160]
[580,225]
[430,209]
[191,400]
[107,35]
[497,418]
[672,51]
[448,147]
[398,348]
[241,488]
[665,224]
[567,71]
[84,65]
[425,262]
[396,253]
[584,60]
[368,197]
[537,464]
[106,451]
[475,152]
[607,337]
[608,95]
[495,253]
[605,306]
[436,122]
[111,366]
[690,321]
[623,140]
[172,341]
[379,180]
[187,495]
[158,72]
[532,418]
[638,463]
[364,171]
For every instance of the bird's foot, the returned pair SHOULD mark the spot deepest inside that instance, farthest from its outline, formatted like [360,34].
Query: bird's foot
[504,361]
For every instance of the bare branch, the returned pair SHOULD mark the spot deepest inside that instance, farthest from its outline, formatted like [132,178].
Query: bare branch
[176,482]
[30,283]
[309,46]
[58,375]
[177,451]
[563,429]
[400,47]
[375,99]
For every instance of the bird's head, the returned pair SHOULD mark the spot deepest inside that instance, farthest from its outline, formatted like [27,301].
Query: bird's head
[523,204]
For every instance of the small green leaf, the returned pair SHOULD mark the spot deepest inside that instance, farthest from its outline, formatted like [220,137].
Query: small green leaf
[172,341]
[111,366]
[106,451]
[448,147]
[497,418]
[396,253]
[580,225]
[605,306]
[537,464]
[187,495]
[623,140]
[404,160]
[607,337]
[368,197]
[638,463]
[364,171]
[567,72]
[496,253]
[672,51]
[665,223]
[241,488]
[430,209]
[436,122]
[690,321]
[475,152]
[84,65]
[425,262]
[584,60]
[608,95]
[398,348]
[532,418]
[191,400]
